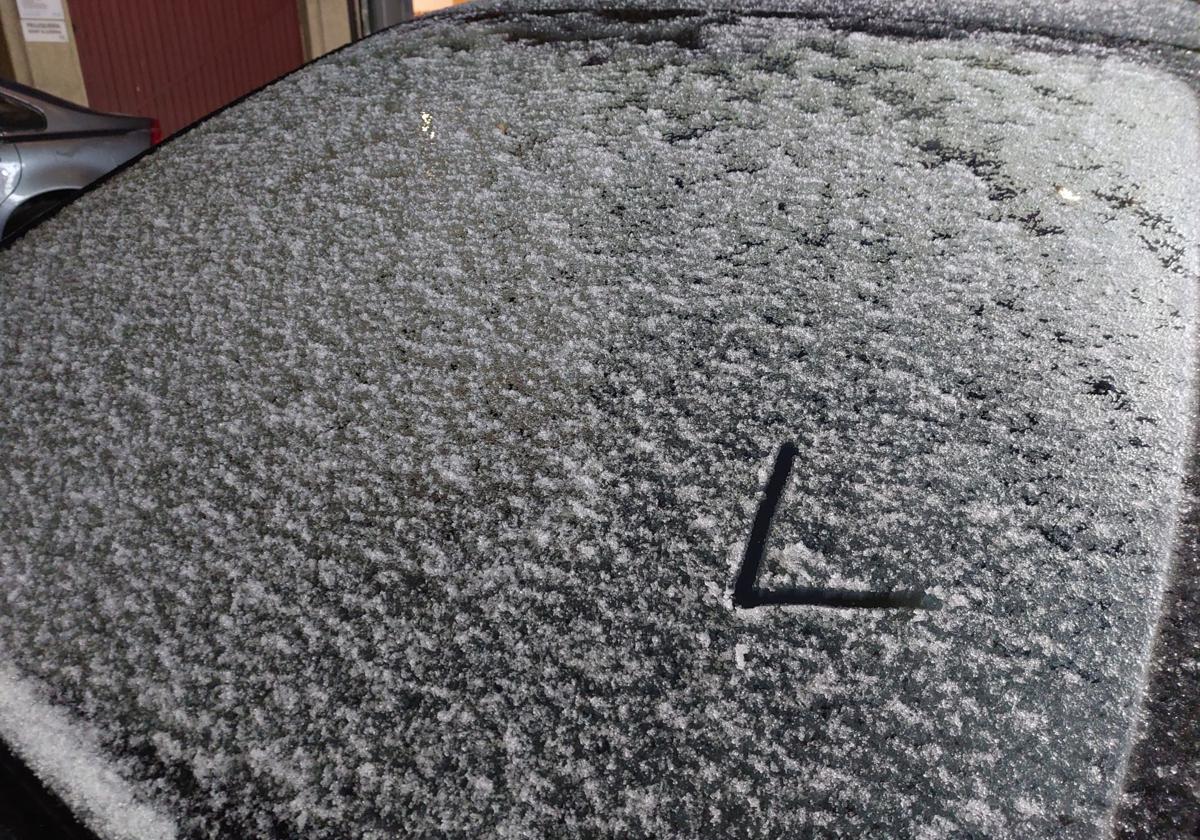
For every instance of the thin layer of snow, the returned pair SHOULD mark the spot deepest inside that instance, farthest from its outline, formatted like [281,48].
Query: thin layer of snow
[1170,22]
[65,753]
[392,487]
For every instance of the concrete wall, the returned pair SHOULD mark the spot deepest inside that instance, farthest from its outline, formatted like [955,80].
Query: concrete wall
[51,67]
[324,26]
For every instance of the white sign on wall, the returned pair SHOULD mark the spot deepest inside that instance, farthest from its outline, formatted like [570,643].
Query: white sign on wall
[40,9]
[51,31]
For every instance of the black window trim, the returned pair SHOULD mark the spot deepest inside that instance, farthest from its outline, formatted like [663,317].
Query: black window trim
[23,106]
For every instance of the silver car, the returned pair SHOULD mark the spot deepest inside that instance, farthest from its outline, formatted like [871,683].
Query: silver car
[50,149]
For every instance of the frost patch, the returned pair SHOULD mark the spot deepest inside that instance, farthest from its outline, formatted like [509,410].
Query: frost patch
[65,755]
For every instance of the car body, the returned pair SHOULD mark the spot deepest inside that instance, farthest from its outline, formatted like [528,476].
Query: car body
[50,149]
[751,419]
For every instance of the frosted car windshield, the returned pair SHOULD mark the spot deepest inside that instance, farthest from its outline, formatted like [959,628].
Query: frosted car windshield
[392,476]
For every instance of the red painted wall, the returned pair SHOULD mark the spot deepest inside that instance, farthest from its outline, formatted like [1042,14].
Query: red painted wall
[179,60]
